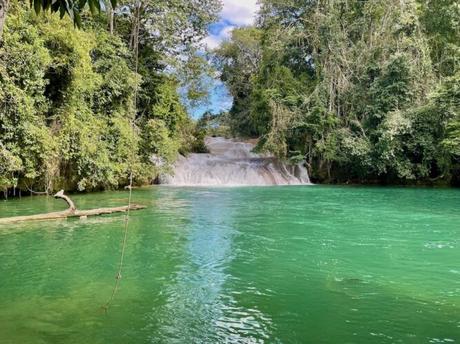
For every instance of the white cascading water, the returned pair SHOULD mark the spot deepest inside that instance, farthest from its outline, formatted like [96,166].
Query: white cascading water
[232,163]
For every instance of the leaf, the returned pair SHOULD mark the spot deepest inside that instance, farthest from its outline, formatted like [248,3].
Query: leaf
[69,11]
[77,19]
[37,6]
[46,4]
[92,6]
[55,6]
[62,10]
[81,4]
[98,4]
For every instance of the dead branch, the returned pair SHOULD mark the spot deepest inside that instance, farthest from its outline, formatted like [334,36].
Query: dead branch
[72,211]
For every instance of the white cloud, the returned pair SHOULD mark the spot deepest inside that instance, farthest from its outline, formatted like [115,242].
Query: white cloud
[239,12]
[234,13]
[213,41]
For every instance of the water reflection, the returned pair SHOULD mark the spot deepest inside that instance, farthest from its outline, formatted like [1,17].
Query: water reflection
[239,265]
[199,305]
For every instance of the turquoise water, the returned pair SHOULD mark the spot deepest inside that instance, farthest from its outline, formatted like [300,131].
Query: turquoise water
[239,265]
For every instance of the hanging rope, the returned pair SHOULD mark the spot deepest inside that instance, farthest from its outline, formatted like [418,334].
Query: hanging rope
[123,249]
[118,276]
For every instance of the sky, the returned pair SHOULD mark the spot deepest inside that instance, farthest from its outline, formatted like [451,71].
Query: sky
[235,13]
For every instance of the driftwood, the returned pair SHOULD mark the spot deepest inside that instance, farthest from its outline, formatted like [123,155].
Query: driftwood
[72,211]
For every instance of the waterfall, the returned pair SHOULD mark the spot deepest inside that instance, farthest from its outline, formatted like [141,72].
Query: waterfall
[232,163]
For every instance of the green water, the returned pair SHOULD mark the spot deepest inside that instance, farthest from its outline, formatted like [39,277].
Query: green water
[240,265]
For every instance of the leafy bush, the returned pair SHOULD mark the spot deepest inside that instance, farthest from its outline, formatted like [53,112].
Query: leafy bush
[67,108]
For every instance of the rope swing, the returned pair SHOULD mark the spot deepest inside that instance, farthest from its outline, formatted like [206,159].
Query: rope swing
[118,276]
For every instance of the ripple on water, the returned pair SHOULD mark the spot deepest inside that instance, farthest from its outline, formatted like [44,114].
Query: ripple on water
[243,265]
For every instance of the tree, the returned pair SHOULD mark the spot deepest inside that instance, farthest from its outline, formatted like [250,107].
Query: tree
[72,8]
[3,11]
[440,20]
[69,115]
[352,86]
[239,59]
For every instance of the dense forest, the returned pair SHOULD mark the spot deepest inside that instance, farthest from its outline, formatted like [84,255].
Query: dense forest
[363,91]
[81,108]
[360,91]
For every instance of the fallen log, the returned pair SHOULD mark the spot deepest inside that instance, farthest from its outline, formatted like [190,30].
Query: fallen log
[72,211]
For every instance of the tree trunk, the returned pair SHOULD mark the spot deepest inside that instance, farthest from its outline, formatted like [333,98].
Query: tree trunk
[133,31]
[3,11]
[134,36]
[72,211]
[61,195]
[111,18]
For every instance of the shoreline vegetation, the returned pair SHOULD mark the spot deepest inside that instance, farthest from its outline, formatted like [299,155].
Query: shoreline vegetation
[360,92]
[69,115]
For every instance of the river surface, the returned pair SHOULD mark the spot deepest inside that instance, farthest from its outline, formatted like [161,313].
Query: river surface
[294,264]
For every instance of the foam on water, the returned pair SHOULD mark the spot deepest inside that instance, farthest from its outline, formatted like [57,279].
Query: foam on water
[233,163]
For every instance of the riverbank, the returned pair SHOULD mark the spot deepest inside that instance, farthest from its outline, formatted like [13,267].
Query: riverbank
[18,194]
[231,161]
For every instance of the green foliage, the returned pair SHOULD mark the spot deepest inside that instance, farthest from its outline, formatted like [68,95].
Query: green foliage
[24,138]
[168,107]
[441,23]
[68,114]
[10,167]
[446,104]
[72,8]
[239,60]
[362,90]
